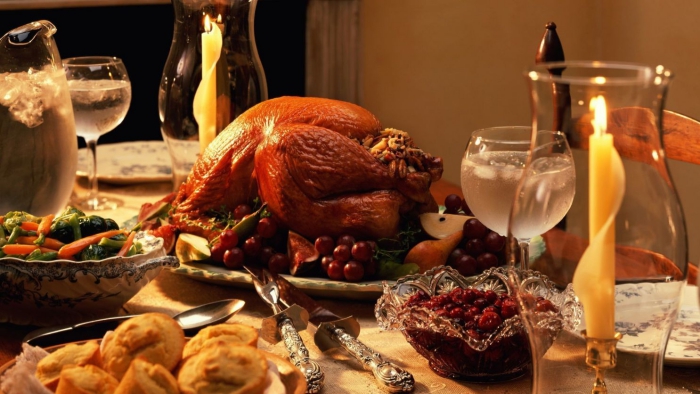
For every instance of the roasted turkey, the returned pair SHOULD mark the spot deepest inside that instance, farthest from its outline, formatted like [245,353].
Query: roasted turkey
[322,166]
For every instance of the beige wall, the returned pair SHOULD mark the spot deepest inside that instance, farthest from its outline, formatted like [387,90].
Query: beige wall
[442,68]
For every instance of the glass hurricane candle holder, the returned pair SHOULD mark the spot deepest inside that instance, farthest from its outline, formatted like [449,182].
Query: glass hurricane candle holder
[622,246]
[238,76]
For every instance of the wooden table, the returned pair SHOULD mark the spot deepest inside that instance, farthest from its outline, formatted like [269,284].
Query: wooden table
[171,293]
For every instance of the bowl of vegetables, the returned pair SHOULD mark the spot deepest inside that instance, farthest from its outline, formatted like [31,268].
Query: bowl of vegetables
[71,267]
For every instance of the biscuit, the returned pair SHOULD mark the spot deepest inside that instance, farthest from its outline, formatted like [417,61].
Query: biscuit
[87,379]
[143,377]
[235,369]
[155,337]
[48,370]
[224,333]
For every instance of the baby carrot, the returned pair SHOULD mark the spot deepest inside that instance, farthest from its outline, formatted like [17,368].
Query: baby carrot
[45,224]
[50,243]
[29,226]
[18,249]
[127,244]
[76,246]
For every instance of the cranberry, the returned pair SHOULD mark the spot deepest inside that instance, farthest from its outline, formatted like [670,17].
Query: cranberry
[481,303]
[509,308]
[490,296]
[489,321]
[456,313]
[491,308]
[469,296]
[545,306]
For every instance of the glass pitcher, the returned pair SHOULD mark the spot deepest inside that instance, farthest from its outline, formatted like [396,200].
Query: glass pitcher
[240,78]
[38,144]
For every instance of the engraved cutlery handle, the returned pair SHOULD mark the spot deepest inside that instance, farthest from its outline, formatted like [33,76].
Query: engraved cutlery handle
[392,377]
[299,355]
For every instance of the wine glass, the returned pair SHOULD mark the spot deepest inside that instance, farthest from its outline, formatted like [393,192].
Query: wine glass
[100,91]
[492,167]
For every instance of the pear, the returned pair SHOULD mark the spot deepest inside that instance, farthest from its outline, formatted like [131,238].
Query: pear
[442,225]
[434,252]
[190,247]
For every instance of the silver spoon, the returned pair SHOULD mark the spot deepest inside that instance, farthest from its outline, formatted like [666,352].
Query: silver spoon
[190,320]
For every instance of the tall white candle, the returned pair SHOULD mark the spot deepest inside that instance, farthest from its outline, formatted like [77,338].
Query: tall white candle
[205,98]
[594,278]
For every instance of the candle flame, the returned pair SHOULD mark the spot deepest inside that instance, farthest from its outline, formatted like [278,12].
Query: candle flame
[218,19]
[600,113]
[207,24]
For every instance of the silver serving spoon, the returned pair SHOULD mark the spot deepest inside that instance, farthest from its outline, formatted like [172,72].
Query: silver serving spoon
[190,320]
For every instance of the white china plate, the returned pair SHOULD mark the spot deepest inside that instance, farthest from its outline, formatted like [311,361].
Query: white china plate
[315,287]
[683,348]
[129,162]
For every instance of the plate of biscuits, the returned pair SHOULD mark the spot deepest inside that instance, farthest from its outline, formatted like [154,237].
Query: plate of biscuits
[149,353]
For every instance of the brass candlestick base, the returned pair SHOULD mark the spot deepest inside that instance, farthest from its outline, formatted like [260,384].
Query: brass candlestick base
[601,354]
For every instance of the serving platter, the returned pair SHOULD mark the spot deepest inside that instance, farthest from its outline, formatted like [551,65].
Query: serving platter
[318,287]
[129,162]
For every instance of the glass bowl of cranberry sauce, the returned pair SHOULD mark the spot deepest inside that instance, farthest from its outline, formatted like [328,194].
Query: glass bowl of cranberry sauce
[468,328]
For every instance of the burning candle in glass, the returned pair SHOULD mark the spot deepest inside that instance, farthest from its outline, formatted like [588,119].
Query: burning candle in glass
[205,98]
[594,279]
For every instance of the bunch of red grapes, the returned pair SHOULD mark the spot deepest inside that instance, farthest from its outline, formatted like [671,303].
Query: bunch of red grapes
[480,249]
[479,312]
[262,247]
[346,258]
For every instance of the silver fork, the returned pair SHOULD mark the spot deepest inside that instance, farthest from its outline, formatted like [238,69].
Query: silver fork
[284,325]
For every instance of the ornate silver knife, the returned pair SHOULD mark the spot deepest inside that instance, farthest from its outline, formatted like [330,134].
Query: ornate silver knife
[284,326]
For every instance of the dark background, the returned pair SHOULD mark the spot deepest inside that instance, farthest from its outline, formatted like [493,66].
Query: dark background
[141,35]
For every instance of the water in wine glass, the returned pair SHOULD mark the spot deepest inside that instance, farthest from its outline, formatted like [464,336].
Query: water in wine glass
[99,105]
[101,94]
[547,193]
[489,180]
